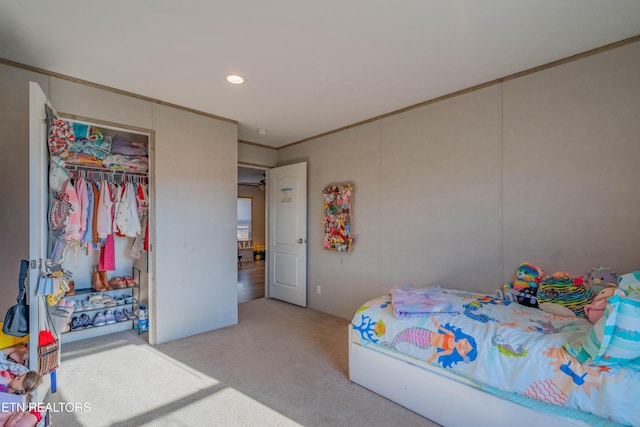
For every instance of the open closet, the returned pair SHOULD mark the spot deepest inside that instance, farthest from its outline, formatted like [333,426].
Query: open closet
[107,168]
[89,226]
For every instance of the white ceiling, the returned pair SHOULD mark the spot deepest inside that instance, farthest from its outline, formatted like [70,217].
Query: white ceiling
[312,66]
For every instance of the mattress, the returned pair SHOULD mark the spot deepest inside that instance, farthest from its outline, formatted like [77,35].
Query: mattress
[506,349]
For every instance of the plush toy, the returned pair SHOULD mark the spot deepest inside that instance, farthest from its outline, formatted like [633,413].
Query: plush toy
[562,289]
[598,278]
[595,310]
[524,287]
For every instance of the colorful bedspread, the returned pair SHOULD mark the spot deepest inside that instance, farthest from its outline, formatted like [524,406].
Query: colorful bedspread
[509,350]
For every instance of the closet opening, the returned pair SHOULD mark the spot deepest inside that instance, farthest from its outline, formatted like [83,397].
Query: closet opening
[110,261]
[251,232]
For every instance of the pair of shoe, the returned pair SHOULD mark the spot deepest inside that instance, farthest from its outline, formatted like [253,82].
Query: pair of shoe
[108,301]
[128,314]
[67,304]
[120,316]
[77,306]
[72,289]
[81,322]
[124,299]
[106,318]
[95,301]
[99,281]
[87,322]
[99,320]
[76,323]
[120,282]
[94,297]
[82,306]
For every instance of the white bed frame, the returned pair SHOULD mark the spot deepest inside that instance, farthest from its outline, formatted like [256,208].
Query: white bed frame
[440,396]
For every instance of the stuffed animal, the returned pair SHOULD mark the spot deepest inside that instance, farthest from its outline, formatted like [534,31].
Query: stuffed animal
[595,310]
[562,289]
[525,284]
[598,278]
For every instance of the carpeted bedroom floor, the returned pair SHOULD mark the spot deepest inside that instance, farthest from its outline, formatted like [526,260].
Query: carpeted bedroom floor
[282,365]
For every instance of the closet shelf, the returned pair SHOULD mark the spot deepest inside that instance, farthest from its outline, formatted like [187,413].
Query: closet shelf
[73,331]
[87,291]
[93,310]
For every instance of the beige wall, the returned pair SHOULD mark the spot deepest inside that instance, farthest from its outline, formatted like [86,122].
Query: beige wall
[87,101]
[196,192]
[14,177]
[571,178]
[250,154]
[542,168]
[194,189]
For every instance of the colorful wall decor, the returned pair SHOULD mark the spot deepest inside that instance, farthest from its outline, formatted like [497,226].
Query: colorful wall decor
[337,217]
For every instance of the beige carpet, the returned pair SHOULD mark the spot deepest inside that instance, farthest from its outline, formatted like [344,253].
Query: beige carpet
[282,365]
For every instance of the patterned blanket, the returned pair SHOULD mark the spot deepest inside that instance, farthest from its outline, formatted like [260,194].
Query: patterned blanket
[509,350]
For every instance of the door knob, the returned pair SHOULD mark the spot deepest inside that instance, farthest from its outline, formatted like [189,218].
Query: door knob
[302,240]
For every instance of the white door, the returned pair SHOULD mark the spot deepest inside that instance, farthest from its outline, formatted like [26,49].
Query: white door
[287,252]
[38,206]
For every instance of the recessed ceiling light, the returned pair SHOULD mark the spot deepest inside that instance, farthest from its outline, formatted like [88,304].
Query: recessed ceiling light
[235,79]
[261,131]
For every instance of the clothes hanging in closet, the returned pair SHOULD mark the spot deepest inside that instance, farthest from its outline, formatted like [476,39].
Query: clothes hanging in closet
[101,209]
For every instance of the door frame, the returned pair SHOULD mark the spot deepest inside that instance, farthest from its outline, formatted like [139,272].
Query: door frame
[151,274]
[265,169]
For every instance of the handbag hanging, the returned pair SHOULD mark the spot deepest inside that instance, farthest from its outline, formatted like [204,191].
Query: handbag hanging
[16,321]
[48,357]
[48,340]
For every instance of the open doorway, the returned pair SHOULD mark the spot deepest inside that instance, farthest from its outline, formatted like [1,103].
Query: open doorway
[251,232]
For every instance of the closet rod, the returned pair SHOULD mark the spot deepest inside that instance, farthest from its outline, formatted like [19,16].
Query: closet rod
[103,170]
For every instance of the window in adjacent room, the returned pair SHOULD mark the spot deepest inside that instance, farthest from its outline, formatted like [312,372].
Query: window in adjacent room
[244,230]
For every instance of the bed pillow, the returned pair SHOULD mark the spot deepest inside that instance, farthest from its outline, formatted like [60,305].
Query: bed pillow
[630,282]
[615,338]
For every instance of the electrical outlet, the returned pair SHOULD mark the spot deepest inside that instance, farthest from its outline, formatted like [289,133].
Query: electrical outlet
[318,289]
